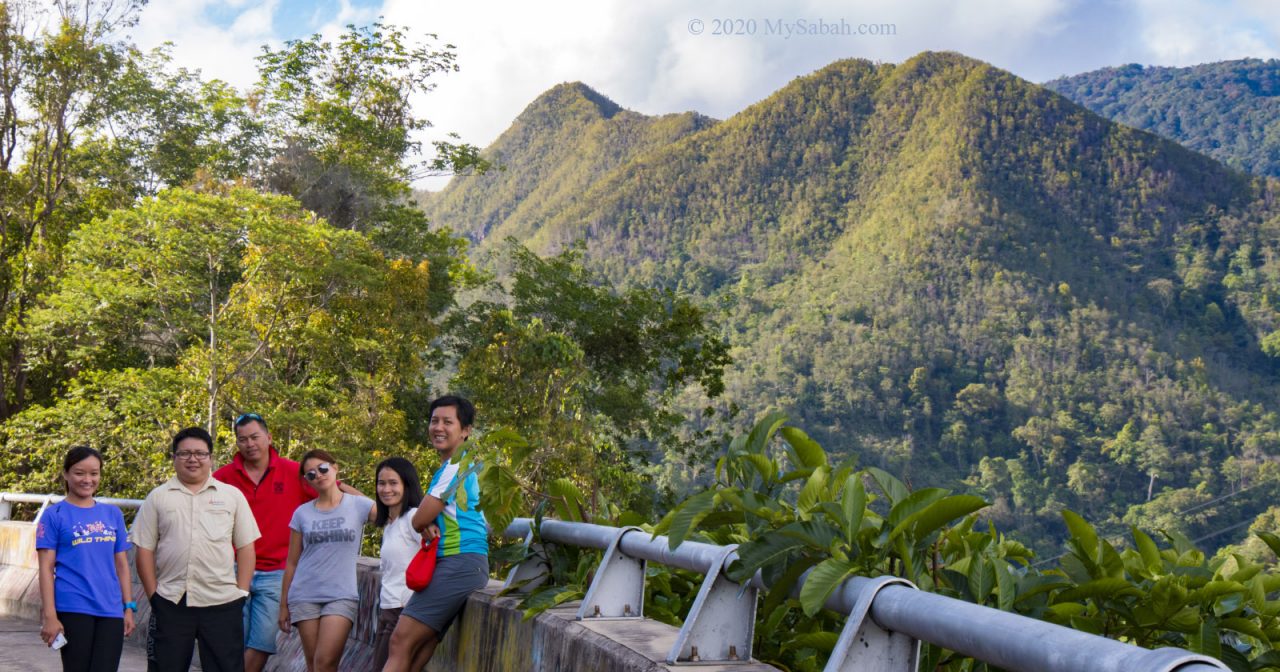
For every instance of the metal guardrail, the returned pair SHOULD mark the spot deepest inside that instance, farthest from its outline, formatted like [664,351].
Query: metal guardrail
[888,616]
[8,499]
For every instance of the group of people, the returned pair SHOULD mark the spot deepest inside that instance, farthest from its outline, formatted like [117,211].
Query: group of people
[231,559]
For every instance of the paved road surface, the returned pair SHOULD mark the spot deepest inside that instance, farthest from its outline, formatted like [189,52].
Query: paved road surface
[21,650]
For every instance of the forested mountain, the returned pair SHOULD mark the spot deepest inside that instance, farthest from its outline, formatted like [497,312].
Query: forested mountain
[949,272]
[1228,110]
[562,142]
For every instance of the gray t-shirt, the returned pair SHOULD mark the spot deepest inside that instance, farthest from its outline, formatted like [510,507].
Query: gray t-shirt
[330,545]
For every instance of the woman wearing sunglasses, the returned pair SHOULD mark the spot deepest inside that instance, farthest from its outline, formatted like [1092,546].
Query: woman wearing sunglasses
[318,593]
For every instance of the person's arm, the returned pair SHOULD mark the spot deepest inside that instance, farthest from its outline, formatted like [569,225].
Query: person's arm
[145,537]
[50,626]
[427,513]
[346,487]
[145,560]
[126,589]
[290,566]
[246,558]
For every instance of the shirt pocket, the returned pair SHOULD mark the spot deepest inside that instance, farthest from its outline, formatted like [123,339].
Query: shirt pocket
[216,525]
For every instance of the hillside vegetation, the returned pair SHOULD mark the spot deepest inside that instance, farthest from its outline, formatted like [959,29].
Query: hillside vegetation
[953,274]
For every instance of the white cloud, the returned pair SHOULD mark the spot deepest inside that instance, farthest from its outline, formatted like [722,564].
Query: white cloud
[645,57]
[223,53]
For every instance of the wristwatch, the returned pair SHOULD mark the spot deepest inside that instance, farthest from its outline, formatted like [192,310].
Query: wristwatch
[132,606]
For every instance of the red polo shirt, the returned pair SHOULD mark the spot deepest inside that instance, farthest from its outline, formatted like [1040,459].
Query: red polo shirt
[273,500]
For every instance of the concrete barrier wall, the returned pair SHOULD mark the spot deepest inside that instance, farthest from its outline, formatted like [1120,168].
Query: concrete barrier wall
[490,636]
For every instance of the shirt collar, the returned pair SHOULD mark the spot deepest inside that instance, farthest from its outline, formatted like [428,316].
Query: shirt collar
[176,484]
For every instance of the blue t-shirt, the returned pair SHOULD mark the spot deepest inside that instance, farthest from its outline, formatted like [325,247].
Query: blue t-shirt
[85,543]
[460,531]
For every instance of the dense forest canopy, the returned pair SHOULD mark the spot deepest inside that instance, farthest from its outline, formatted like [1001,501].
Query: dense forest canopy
[1228,110]
[947,272]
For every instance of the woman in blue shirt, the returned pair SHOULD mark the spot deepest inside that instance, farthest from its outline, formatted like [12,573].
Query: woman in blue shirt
[85,586]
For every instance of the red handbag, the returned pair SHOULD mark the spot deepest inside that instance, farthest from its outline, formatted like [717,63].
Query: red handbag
[423,565]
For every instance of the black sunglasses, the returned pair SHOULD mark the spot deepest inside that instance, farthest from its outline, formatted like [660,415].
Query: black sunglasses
[323,468]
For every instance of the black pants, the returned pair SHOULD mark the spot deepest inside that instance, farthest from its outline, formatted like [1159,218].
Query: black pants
[175,628]
[93,642]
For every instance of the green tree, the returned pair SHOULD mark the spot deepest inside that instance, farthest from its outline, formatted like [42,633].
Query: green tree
[233,301]
[342,127]
[588,373]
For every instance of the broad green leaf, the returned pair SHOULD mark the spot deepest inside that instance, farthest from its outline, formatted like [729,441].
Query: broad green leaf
[1213,590]
[913,503]
[765,467]
[543,600]
[938,514]
[764,430]
[1271,540]
[1245,626]
[1099,589]
[1206,640]
[813,491]
[760,552]
[567,499]
[1268,660]
[684,518]
[817,534]
[1083,534]
[889,485]
[805,451]
[823,641]
[1148,550]
[1187,620]
[854,503]
[1006,586]
[821,582]
[781,589]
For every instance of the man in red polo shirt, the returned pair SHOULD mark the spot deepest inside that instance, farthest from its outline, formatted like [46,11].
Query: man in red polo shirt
[274,488]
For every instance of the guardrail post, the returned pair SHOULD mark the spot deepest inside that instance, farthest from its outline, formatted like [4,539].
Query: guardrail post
[532,572]
[721,622]
[864,646]
[617,591]
[6,510]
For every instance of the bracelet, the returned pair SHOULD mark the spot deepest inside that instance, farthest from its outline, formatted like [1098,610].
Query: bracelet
[131,606]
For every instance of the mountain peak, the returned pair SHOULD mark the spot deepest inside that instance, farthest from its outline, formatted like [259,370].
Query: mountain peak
[571,100]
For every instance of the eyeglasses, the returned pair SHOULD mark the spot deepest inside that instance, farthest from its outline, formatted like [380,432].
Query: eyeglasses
[322,468]
[249,416]
[189,454]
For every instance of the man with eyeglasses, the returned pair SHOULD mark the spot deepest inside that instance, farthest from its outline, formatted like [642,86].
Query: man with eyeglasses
[273,489]
[194,537]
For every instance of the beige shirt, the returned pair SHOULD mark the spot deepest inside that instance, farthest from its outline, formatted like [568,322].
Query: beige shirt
[194,536]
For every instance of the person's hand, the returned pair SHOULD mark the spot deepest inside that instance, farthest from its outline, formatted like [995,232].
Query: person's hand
[50,626]
[431,532]
[284,618]
[128,622]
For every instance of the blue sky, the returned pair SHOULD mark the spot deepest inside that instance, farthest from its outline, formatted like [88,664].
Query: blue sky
[712,56]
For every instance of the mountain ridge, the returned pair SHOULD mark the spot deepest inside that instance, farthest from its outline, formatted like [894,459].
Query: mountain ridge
[963,277]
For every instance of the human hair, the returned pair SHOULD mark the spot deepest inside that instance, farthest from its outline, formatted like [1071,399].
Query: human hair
[248,418]
[412,488]
[466,410]
[191,433]
[78,454]
[314,453]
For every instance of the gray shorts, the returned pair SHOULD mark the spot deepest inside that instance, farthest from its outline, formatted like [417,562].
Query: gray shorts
[309,611]
[455,578]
